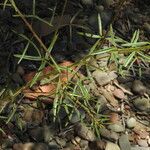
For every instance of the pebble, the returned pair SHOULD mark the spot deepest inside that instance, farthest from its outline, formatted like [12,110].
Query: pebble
[97,145]
[146,26]
[77,116]
[142,104]
[139,148]
[21,146]
[118,93]
[87,2]
[101,103]
[103,78]
[124,142]
[37,134]
[117,127]
[109,135]
[131,122]
[48,133]
[142,142]
[40,146]
[84,132]
[111,146]
[138,87]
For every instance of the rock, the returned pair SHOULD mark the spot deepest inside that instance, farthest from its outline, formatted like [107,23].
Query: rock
[111,146]
[114,118]
[53,145]
[103,78]
[138,87]
[109,135]
[48,133]
[142,142]
[84,132]
[17,79]
[60,141]
[118,93]
[117,127]
[146,26]
[101,103]
[21,146]
[97,145]
[40,146]
[84,144]
[143,104]
[93,64]
[139,148]
[131,122]
[33,115]
[20,70]
[37,134]
[124,142]
[87,2]
[77,116]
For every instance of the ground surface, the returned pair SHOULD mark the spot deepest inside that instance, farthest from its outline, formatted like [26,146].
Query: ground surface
[121,103]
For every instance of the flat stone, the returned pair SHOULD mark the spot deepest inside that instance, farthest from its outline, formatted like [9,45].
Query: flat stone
[110,135]
[111,146]
[84,132]
[131,122]
[139,148]
[117,127]
[142,104]
[124,142]
[103,78]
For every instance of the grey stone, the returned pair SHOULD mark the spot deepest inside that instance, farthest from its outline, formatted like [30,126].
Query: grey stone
[139,148]
[110,135]
[111,146]
[103,78]
[131,122]
[84,132]
[124,142]
[142,104]
[138,87]
[117,127]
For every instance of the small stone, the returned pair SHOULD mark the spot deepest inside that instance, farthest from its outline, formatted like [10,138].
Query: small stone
[118,93]
[124,142]
[77,116]
[17,79]
[111,146]
[138,87]
[101,103]
[110,135]
[48,133]
[142,142]
[84,144]
[147,27]
[20,70]
[142,104]
[84,132]
[97,145]
[114,117]
[103,78]
[139,148]
[40,146]
[131,122]
[37,134]
[21,146]
[117,127]
[87,2]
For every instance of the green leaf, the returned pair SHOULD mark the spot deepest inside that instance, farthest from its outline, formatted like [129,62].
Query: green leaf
[129,59]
